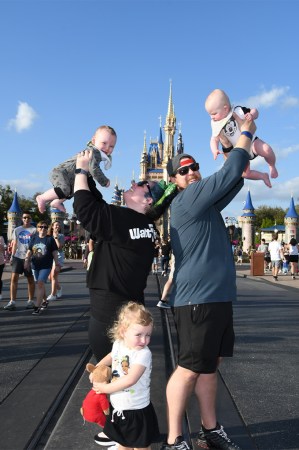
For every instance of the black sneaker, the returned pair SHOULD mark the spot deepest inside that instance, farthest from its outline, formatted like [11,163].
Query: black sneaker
[215,439]
[179,444]
[36,311]
[104,441]
[44,305]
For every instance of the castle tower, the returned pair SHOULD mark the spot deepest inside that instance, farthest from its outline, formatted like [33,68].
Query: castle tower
[117,196]
[58,216]
[169,129]
[160,141]
[14,216]
[180,144]
[247,224]
[154,159]
[143,161]
[291,222]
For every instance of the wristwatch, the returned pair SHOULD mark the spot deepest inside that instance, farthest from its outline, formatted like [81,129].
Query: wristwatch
[82,171]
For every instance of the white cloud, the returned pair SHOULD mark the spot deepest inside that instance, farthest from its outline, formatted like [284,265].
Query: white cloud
[289,102]
[275,96]
[24,118]
[267,98]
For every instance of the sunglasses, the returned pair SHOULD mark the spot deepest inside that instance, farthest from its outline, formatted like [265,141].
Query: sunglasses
[42,227]
[146,183]
[26,217]
[184,170]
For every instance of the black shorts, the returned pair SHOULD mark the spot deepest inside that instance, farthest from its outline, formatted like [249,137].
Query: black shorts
[205,332]
[293,258]
[18,267]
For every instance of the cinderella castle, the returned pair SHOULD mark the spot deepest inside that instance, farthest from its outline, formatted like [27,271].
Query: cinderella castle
[153,162]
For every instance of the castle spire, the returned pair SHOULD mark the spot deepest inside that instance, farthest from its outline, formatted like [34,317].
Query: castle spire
[170,129]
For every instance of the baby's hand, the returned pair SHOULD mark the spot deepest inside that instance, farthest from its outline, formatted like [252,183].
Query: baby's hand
[248,116]
[216,153]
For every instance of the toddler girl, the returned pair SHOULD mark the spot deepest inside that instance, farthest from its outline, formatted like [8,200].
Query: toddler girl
[132,422]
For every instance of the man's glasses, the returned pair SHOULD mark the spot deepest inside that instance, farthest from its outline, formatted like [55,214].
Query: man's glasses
[26,217]
[184,170]
[42,227]
[146,183]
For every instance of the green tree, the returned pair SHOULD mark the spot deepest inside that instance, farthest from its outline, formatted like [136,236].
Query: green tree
[267,216]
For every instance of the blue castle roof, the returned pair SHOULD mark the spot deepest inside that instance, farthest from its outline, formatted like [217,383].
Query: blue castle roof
[292,213]
[15,207]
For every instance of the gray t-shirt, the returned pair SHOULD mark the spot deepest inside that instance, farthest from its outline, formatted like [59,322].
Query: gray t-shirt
[22,236]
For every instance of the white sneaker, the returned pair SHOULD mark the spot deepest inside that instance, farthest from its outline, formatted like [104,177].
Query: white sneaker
[30,304]
[11,306]
[51,297]
[59,293]
[163,304]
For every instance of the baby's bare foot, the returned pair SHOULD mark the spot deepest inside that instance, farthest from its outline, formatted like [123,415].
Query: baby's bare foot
[266,180]
[56,204]
[273,172]
[41,204]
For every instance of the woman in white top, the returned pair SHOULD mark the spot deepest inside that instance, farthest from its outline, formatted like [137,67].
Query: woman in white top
[293,257]
[56,289]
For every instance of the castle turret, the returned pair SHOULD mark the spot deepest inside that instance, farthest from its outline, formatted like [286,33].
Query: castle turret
[143,160]
[180,144]
[247,221]
[117,197]
[170,130]
[58,216]
[291,222]
[14,216]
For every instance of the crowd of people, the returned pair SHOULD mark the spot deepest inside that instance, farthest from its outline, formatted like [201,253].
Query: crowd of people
[37,253]
[123,250]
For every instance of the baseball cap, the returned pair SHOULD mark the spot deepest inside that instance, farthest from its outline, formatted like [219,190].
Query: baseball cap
[175,163]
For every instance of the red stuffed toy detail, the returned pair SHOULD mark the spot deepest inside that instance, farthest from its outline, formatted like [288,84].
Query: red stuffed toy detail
[95,407]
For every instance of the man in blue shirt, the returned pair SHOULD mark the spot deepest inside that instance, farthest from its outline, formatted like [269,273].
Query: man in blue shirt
[204,287]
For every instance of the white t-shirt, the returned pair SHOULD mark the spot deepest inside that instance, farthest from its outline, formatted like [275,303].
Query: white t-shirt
[138,395]
[22,235]
[274,249]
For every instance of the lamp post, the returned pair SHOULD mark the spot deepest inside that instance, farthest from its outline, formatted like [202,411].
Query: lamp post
[231,223]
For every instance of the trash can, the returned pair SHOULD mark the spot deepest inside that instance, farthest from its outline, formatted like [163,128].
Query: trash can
[257,263]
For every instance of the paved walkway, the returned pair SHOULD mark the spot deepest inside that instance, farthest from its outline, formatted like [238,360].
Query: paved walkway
[42,360]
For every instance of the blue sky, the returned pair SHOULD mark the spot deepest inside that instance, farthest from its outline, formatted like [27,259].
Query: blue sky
[70,66]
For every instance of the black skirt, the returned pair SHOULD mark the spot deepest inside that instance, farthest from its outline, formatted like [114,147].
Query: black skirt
[133,427]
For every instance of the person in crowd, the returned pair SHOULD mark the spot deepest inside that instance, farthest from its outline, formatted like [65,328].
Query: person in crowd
[20,240]
[42,250]
[124,249]
[276,255]
[2,262]
[263,247]
[224,125]
[62,177]
[156,257]
[239,255]
[56,288]
[163,303]
[293,257]
[286,258]
[132,422]
[165,256]
[202,304]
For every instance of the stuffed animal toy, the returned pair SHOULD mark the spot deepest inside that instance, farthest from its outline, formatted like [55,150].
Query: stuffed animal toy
[95,407]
